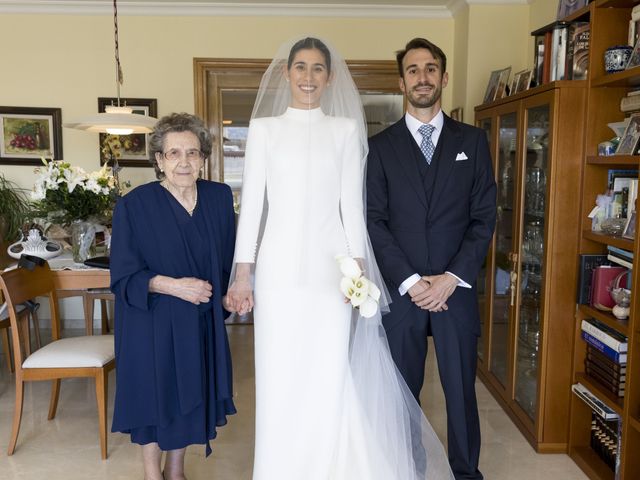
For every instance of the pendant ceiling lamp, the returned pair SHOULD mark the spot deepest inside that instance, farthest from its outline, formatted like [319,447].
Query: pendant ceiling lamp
[117,119]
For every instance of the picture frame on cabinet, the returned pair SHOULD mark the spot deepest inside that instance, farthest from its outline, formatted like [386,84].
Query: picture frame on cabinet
[134,148]
[521,81]
[629,141]
[634,59]
[497,84]
[567,7]
[28,134]
[630,228]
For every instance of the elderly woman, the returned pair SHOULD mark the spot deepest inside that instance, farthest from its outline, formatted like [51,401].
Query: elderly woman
[171,255]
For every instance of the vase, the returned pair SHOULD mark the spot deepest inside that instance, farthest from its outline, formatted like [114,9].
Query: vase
[83,235]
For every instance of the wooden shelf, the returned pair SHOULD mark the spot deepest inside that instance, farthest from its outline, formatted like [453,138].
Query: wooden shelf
[613,160]
[616,3]
[634,422]
[625,78]
[615,403]
[620,325]
[619,242]
[591,463]
[581,14]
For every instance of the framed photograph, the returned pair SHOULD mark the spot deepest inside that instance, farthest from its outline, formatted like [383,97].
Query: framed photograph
[134,147]
[521,81]
[567,7]
[497,85]
[630,228]
[456,114]
[629,141]
[634,59]
[29,133]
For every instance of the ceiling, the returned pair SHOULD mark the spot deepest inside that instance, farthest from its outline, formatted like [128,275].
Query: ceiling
[365,8]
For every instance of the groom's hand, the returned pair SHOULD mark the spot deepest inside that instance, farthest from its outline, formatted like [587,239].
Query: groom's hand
[441,288]
[418,291]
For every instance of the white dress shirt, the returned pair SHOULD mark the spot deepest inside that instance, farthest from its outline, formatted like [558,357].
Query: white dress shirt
[413,124]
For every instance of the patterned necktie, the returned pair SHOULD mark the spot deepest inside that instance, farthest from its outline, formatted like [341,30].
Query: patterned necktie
[426,146]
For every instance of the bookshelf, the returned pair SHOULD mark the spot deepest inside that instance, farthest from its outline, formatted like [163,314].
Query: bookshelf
[527,291]
[609,22]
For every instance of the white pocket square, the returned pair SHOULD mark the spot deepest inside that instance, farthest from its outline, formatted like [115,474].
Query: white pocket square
[461,156]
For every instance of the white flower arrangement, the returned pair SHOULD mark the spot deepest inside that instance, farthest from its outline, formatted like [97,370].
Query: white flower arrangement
[63,193]
[362,293]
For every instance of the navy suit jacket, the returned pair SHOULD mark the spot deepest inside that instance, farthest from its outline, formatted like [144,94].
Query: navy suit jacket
[449,230]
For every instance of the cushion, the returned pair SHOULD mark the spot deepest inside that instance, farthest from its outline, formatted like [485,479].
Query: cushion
[86,351]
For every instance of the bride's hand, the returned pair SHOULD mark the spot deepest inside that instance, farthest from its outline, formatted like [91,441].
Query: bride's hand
[240,296]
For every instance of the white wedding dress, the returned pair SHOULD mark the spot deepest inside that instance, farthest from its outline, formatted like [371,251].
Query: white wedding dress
[309,425]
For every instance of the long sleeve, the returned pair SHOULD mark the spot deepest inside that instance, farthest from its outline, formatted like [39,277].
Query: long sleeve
[130,274]
[482,212]
[394,264]
[351,194]
[253,192]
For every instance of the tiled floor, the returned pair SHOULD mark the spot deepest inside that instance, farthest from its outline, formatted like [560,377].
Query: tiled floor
[67,447]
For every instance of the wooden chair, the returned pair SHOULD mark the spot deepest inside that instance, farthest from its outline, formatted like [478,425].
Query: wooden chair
[87,356]
[5,326]
[89,296]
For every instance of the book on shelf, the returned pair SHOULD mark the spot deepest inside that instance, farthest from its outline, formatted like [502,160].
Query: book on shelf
[616,388]
[615,378]
[621,252]
[607,335]
[538,69]
[597,405]
[623,262]
[596,357]
[588,262]
[617,357]
[605,277]
[605,436]
[578,51]
[559,52]
[630,103]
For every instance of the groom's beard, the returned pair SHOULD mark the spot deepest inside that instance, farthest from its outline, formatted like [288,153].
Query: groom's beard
[424,100]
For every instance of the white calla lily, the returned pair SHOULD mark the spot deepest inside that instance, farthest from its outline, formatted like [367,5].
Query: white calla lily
[358,298]
[368,308]
[374,291]
[348,266]
[346,287]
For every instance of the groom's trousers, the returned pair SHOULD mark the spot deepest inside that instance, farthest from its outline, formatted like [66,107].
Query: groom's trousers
[456,353]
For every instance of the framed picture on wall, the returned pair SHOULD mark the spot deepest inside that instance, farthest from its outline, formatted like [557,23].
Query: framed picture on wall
[27,134]
[134,148]
[456,114]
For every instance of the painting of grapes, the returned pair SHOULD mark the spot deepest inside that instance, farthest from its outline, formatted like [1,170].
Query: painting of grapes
[28,134]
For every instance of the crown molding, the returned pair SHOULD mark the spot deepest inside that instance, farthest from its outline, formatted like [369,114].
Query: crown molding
[203,8]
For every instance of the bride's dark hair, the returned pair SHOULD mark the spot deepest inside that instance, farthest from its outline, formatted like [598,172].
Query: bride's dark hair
[310,43]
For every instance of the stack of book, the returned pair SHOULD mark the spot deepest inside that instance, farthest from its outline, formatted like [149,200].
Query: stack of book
[630,103]
[561,52]
[606,359]
[620,256]
[604,439]
[605,426]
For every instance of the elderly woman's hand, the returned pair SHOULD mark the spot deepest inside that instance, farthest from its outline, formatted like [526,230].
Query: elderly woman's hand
[188,289]
[193,290]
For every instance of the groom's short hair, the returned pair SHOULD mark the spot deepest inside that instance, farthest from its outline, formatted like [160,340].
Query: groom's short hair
[418,42]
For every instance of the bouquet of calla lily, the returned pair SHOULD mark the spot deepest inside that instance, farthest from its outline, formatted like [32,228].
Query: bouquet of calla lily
[362,293]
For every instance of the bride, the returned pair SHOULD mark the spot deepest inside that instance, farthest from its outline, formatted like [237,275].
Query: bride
[330,403]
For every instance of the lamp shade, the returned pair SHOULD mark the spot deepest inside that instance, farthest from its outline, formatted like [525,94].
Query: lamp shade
[116,120]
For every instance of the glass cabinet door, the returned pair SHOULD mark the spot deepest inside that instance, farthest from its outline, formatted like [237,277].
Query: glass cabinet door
[481,281]
[534,201]
[504,283]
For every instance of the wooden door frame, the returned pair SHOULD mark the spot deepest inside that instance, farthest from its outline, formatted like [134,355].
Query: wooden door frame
[379,76]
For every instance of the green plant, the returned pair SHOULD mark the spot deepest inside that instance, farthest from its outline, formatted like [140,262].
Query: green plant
[13,209]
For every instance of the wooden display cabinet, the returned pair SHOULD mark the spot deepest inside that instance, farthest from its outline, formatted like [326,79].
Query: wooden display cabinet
[609,23]
[527,290]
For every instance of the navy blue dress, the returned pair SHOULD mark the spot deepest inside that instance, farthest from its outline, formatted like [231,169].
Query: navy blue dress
[173,366]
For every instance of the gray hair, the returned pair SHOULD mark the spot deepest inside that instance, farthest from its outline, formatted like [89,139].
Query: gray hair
[178,122]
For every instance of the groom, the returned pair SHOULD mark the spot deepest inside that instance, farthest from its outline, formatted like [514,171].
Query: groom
[431,211]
